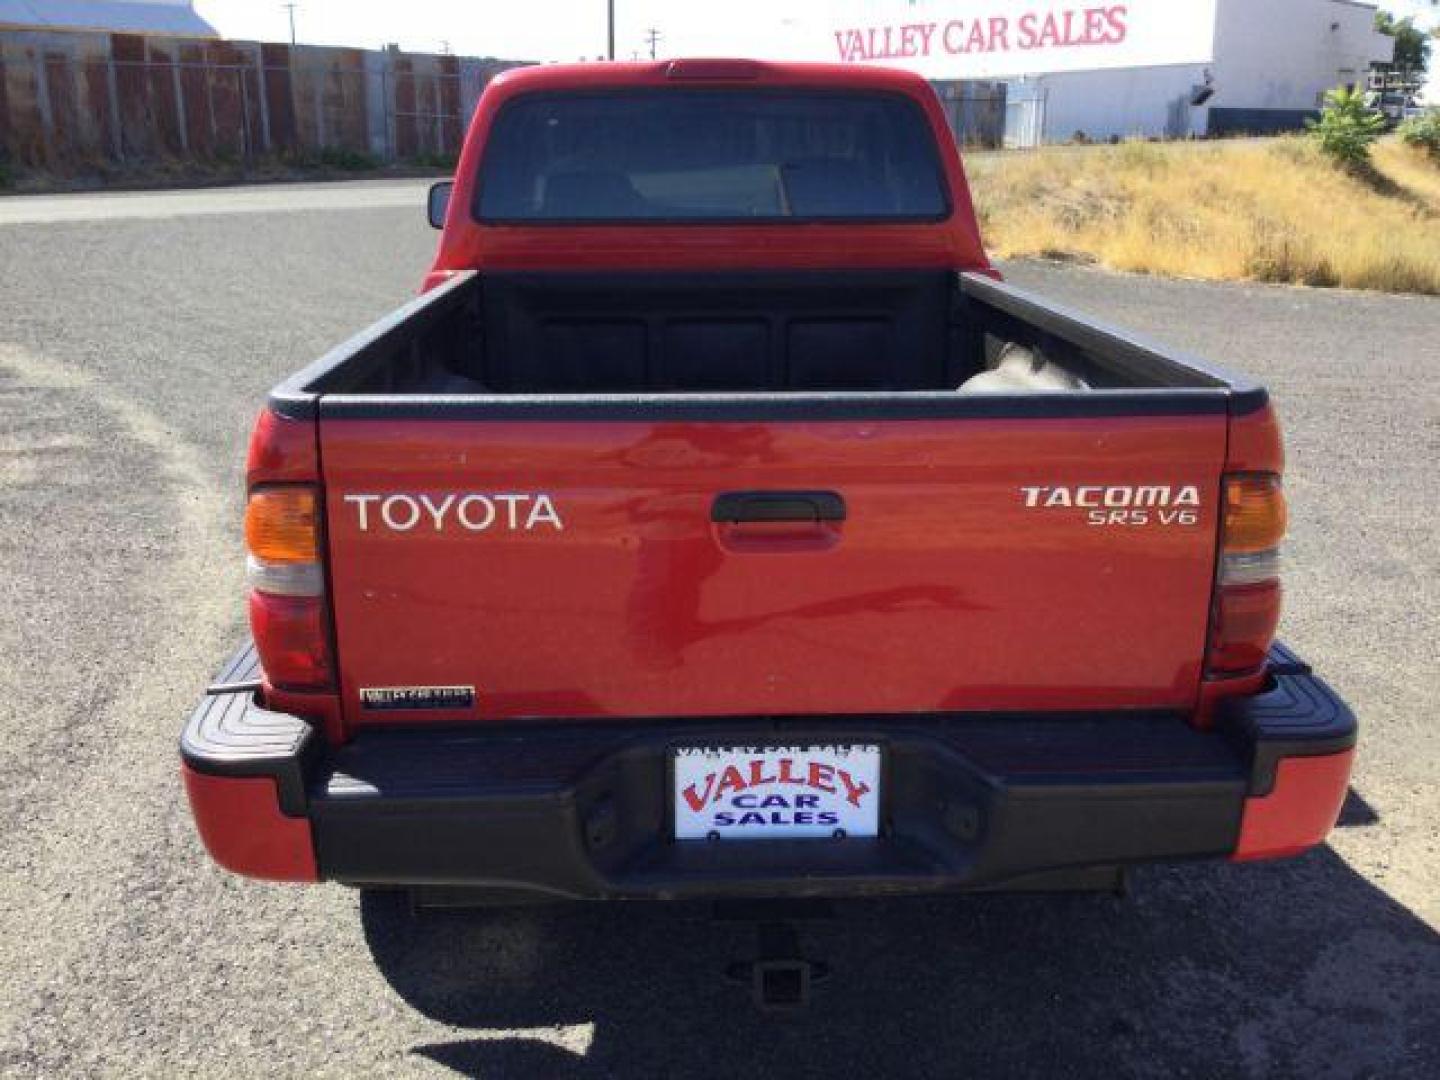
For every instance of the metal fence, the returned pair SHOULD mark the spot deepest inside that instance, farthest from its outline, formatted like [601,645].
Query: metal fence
[1025,108]
[975,112]
[988,115]
[71,102]
[70,107]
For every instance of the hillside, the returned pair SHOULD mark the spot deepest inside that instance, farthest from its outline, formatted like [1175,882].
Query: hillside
[1265,210]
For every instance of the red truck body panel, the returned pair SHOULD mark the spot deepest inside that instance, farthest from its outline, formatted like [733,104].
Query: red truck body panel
[243,829]
[941,590]
[1301,810]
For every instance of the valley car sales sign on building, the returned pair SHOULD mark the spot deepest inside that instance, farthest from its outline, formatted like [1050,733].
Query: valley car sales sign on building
[963,39]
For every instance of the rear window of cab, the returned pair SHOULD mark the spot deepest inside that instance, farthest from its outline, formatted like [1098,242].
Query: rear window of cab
[697,156]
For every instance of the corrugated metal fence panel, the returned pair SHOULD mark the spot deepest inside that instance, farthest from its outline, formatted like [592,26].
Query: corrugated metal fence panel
[26,140]
[68,99]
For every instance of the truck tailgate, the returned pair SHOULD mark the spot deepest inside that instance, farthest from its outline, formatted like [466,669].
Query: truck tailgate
[980,564]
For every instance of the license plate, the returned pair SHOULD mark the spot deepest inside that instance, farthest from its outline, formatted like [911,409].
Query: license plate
[776,792]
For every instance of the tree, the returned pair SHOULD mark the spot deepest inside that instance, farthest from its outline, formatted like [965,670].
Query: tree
[1412,45]
[1347,127]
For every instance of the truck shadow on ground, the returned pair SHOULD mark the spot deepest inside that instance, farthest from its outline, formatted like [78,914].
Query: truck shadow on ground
[1300,967]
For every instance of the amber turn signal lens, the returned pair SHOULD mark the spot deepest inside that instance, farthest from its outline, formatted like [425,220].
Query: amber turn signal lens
[281,525]
[1255,514]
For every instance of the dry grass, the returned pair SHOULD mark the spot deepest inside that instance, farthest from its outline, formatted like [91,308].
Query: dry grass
[1271,210]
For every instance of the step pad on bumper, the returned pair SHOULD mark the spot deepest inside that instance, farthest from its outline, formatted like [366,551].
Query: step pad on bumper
[231,734]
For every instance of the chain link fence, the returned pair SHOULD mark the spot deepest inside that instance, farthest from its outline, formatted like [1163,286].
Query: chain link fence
[975,112]
[994,115]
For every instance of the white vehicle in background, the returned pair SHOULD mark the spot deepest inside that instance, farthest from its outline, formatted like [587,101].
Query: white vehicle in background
[1394,106]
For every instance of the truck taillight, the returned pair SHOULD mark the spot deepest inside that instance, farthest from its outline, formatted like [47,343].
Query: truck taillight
[1247,592]
[287,586]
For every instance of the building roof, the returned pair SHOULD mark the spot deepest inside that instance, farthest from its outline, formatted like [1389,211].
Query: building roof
[169,17]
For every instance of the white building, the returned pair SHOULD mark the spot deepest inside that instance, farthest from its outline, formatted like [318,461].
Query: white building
[164,17]
[1102,69]
[1271,63]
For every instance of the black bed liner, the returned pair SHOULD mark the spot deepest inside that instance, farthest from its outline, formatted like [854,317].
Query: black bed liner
[925,328]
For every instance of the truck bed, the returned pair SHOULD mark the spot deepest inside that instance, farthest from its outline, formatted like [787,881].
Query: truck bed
[868,342]
[574,550]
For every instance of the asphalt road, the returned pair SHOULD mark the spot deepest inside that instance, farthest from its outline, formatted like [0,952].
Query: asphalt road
[138,335]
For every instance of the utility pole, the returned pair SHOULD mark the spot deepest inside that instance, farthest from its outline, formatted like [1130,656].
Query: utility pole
[291,9]
[653,37]
[610,26]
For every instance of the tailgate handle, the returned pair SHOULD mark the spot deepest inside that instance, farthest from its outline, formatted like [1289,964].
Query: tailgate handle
[810,506]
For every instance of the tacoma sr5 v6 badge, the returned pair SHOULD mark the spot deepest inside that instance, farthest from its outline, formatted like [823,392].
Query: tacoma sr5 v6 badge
[1120,505]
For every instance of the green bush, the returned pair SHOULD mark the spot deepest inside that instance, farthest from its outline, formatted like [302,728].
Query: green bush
[1347,127]
[7,179]
[1423,132]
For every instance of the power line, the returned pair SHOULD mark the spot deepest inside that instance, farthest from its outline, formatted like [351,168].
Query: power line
[652,37]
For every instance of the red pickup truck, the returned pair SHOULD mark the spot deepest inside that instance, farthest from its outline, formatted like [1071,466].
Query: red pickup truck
[717,522]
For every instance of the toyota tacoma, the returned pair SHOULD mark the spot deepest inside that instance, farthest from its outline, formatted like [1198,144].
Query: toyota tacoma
[718,522]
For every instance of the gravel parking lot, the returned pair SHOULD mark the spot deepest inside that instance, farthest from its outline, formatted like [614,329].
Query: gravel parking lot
[137,340]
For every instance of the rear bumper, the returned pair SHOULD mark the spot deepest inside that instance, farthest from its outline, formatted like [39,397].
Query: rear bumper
[582,810]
